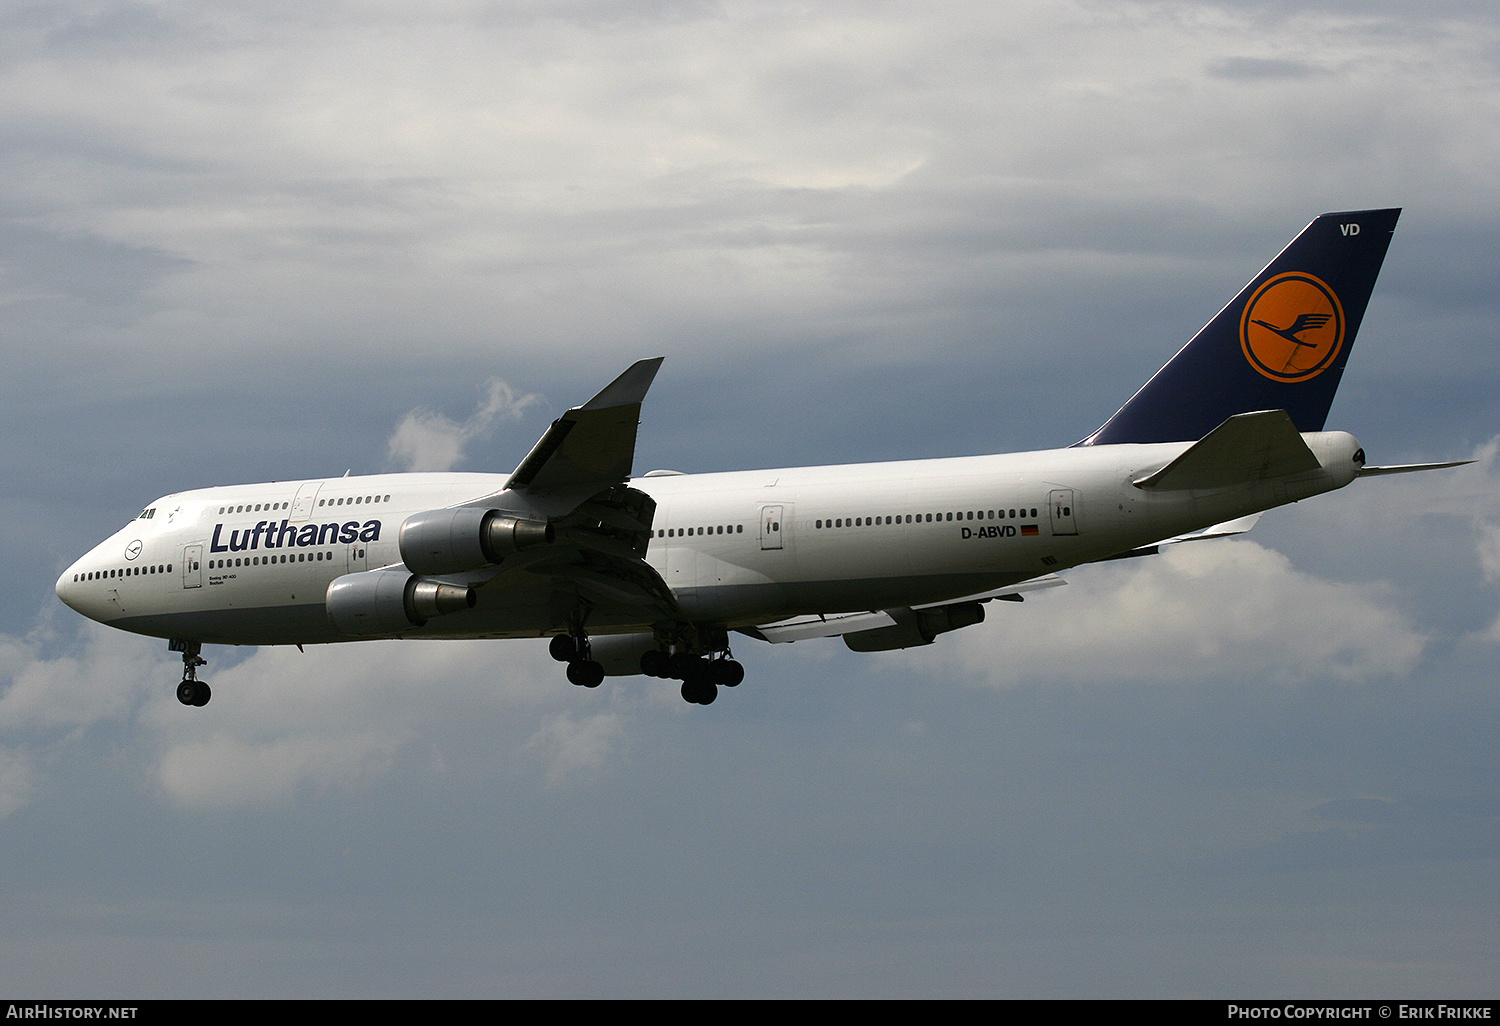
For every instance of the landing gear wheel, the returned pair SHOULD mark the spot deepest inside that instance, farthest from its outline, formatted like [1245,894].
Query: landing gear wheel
[655,663]
[682,665]
[699,691]
[564,648]
[586,673]
[193,692]
[726,673]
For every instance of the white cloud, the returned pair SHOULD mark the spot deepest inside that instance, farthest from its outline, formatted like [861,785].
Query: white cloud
[427,440]
[228,772]
[1426,521]
[1228,610]
[1488,546]
[102,675]
[575,746]
[18,780]
[285,724]
[50,704]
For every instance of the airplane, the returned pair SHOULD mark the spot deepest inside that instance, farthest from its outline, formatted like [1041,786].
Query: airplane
[652,575]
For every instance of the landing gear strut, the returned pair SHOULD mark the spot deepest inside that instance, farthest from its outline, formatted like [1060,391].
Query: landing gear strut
[573,649]
[191,691]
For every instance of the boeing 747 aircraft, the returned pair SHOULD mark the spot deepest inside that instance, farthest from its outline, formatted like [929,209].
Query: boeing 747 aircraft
[652,575]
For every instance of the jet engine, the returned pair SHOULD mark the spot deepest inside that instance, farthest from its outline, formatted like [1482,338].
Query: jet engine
[456,540]
[391,601]
[915,627]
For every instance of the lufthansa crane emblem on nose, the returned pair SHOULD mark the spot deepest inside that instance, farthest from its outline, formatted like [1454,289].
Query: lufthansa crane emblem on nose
[133,549]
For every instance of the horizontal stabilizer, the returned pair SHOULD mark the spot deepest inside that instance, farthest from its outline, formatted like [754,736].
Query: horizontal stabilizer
[1410,468]
[1245,448]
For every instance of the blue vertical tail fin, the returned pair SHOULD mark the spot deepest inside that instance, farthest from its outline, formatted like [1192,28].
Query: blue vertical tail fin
[1280,344]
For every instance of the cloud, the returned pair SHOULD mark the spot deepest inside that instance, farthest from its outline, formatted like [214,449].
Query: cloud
[285,725]
[723,171]
[18,780]
[229,772]
[572,746]
[101,675]
[1229,610]
[57,692]
[1487,542]
[427,440]
[1407,831]
[1259,68]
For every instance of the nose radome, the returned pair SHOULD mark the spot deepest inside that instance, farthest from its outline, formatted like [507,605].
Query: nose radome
[67,588]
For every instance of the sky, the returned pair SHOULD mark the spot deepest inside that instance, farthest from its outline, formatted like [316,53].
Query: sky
[267,240]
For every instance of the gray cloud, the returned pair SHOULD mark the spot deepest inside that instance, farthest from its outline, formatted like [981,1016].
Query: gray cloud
[1251,69]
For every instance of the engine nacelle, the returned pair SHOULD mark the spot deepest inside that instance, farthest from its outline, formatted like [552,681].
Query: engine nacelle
[915,627]
[454,541]
[391,601]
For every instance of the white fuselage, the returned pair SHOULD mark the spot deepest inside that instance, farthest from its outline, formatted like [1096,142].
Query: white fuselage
[251,564]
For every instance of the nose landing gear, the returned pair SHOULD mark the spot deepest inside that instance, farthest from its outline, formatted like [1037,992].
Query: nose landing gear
[191,691]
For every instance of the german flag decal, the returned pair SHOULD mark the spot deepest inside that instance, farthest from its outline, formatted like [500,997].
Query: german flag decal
[1292,327]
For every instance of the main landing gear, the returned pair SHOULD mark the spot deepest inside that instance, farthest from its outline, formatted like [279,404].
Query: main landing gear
[573,649]
[191,691]
[701,676]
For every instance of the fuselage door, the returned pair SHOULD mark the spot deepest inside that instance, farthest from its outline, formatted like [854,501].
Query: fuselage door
[192,566]
[770,527]
[302,505]
[1061,502]
[359,556]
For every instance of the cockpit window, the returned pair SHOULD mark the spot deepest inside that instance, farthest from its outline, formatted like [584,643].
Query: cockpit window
[147,514]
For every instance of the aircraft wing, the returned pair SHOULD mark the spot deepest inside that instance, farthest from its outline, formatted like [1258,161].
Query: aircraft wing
[576,479]
[593,445]
[579,568]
